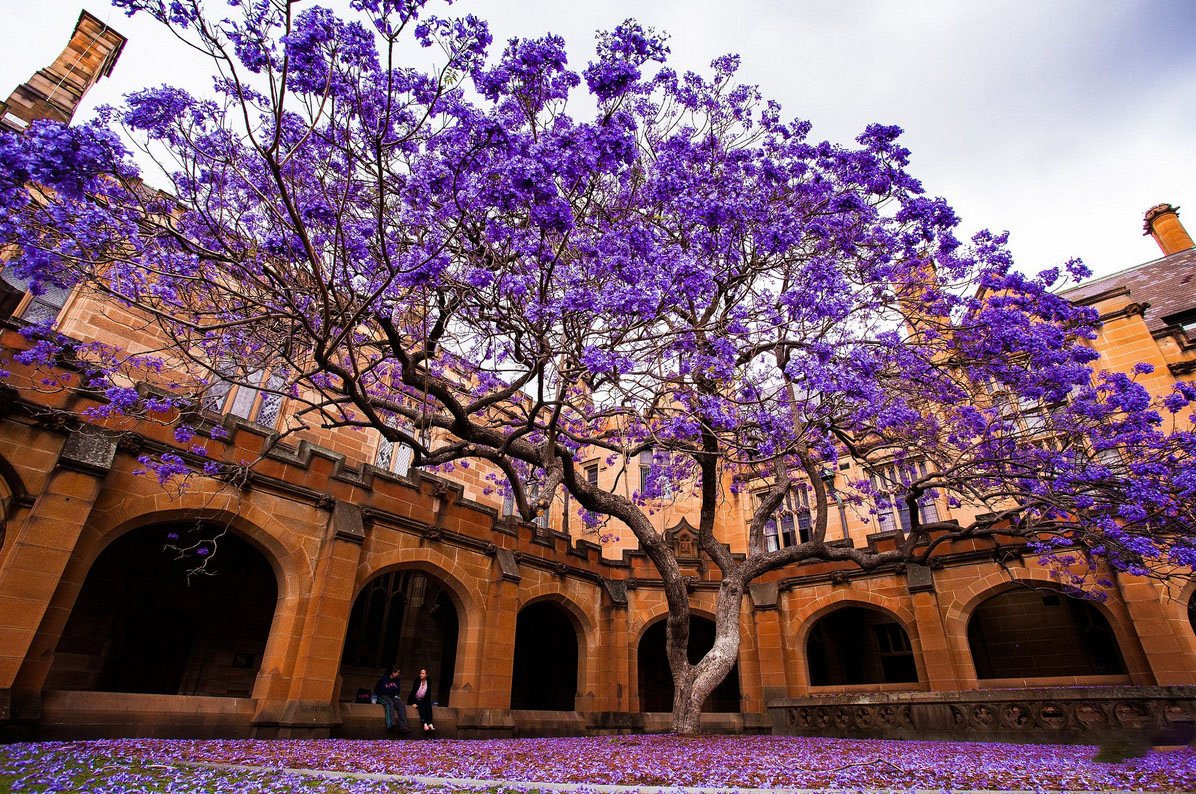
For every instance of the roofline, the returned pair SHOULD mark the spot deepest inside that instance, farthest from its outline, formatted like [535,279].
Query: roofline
[1122,272]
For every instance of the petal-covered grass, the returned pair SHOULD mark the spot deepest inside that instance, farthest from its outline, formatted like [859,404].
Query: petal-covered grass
[84,768]
[647,761]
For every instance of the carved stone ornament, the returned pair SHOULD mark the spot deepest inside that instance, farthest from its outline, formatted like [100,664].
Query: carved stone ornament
[683,540]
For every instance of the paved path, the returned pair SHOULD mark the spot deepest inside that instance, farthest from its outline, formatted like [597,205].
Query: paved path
[603,788]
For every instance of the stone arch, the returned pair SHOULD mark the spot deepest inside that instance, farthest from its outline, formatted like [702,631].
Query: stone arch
[549,592]
[142,623]
[805,616]
[585,626]
[803,620]
[547,660]
[130,503]
[416,610]
[1036,599]
[465,594]
[1182,605]
[249,522]
[852,643]
[653,679]
[12,495]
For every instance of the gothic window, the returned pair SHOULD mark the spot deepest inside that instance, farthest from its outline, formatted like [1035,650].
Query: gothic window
[890,482]
[790,524]
[18,302]
[394,456]
[261,405]
[651,478]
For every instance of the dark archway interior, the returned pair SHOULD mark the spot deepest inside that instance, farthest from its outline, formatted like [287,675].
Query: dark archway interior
[405,618]
[656,680]
[1041,634]
[1192,612]
[544,676]
[142,624]
[857,645]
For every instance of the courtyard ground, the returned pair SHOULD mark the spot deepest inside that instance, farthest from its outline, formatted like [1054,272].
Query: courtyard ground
[589,764]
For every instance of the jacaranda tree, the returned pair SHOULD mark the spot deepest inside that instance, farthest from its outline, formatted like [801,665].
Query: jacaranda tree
[455,260]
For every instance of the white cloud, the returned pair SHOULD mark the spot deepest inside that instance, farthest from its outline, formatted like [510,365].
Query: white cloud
[1060,121]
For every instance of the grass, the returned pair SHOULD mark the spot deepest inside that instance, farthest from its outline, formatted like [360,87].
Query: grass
[92,774]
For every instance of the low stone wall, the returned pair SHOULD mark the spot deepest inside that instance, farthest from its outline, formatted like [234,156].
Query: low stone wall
[109,715]
[1082,715]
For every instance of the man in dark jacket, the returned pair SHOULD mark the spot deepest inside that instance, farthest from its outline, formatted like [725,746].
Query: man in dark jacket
[390,696]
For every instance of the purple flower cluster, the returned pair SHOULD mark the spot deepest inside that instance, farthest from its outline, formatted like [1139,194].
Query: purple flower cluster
[650,762]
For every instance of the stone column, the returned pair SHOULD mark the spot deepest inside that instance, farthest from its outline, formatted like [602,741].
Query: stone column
[771,648]
[312,704]
[941,674]
[612,710]
[1164,634]
[490,715]
[41,548]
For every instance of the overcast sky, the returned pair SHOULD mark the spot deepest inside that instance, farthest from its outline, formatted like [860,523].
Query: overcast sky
[1059,121]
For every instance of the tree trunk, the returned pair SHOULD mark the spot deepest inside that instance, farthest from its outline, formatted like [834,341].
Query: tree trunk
[687,712]
[692,684]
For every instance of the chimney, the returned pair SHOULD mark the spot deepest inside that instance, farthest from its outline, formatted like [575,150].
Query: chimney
[1163,224]
[55,92]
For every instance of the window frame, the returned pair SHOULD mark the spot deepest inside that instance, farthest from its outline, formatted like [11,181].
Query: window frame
[229,398]
[792,522]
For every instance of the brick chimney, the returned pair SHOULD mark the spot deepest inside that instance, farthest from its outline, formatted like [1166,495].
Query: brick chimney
[1163,224]
[55,92]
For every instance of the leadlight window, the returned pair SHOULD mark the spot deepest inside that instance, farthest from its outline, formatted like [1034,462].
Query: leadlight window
[394,456]
[650,464]
[261,404]
[890,482]
[790,524]
[18,302]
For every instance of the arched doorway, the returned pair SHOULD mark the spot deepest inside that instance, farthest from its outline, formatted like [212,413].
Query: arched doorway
[1041,633]
[859,645]
[406,618]
[7,498]
[544,676]
[656,679]
[141,623]
[1192,611]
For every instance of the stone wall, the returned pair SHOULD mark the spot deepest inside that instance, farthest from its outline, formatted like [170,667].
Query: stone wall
[1089,715]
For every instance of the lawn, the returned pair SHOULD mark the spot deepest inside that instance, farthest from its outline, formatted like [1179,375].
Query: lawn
[650,762]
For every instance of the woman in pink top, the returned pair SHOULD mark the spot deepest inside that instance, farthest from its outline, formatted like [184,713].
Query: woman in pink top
[421,698]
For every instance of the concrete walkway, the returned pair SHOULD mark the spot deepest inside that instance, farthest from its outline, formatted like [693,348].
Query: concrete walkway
[603,788]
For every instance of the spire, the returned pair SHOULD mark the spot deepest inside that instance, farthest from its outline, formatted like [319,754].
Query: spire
[56,91]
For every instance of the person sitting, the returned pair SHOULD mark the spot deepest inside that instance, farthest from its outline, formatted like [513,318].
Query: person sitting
[421,698]
[389,692]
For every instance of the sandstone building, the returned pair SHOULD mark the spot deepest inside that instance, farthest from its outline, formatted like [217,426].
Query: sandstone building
[334,559]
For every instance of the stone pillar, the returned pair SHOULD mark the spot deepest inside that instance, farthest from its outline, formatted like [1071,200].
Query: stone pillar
[937,657]
[1164,634]
[312,704]
[490,715]
[615,710]
[771,648]
[41,548]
